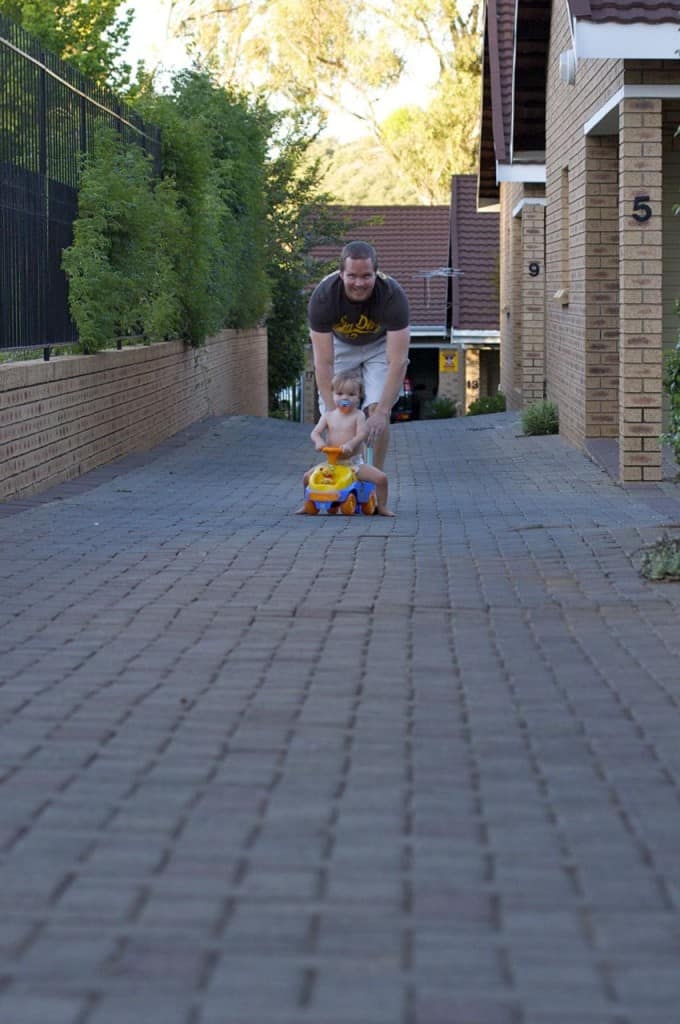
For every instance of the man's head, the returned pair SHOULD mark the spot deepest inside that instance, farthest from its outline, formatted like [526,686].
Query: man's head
[358,266]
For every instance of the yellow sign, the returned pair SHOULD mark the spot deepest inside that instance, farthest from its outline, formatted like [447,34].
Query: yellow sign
[448,360]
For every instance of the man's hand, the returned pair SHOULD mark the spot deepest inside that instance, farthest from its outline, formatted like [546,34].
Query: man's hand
[375,424]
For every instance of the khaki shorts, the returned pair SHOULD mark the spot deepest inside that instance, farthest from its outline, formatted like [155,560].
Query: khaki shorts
[370,360]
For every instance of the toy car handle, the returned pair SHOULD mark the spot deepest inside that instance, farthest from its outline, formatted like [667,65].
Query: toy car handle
[332,452]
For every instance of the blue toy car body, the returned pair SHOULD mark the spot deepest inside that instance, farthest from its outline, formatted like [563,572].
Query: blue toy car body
[334,488]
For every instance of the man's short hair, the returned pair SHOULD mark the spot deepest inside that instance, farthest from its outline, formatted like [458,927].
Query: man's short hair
[359,251]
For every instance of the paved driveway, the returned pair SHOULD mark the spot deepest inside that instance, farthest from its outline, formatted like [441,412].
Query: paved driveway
[260,768]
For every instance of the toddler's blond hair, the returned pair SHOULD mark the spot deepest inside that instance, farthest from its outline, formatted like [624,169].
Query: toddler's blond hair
[348,377]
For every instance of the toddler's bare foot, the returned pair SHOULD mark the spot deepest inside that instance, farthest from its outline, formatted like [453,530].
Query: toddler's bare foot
[382,510]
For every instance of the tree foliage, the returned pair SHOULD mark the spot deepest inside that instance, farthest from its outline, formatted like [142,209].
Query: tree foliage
[121,265]
[214,148]
[349,57]
[186,255]
[298,219]
[223,239]
[90,34]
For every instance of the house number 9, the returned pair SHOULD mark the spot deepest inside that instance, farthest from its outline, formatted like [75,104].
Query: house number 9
[534,270]
[641,209]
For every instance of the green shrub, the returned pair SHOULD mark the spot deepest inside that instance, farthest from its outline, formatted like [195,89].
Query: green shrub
[540,418]
[672,387]
[440,408]
[662,560]
[214,151]
[186,255]
[487,404]
[122,277]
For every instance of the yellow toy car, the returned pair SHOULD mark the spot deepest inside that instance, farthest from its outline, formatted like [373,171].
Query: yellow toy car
[334,488]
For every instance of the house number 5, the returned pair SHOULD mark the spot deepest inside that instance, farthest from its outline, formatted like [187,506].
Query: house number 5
[642,211]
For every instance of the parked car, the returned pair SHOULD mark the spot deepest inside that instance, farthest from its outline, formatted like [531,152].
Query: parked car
[406,406]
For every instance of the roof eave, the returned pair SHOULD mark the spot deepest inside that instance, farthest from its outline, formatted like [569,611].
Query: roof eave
[633,41]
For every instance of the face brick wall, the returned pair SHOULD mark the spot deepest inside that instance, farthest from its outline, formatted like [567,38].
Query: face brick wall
[602,287]
[671,232]
[571,203]
[511,352]
[641,268]
[61,418]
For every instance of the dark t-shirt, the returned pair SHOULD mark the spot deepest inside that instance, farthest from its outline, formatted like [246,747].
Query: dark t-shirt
[358,323]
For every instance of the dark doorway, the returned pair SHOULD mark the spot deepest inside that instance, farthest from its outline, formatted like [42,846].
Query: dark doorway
[489,371]
[423,369]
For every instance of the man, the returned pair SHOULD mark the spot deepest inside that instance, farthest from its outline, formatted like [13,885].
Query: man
[359,320]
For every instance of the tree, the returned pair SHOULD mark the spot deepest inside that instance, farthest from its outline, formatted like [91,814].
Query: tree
[88,33]
[362,174]
[349,56]
[298,218]
[214,150]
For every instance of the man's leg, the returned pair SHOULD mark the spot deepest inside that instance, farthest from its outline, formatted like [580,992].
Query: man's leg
[374,371]
[381,443]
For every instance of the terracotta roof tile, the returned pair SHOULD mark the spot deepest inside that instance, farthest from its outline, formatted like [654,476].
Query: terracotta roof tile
[649,12]
[410,241]
[474,250]
[413,244]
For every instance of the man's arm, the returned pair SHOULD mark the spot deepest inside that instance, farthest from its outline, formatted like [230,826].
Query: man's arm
[322,347]
[397,361]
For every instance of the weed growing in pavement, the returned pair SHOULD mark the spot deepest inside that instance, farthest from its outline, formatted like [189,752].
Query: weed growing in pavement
[661,561]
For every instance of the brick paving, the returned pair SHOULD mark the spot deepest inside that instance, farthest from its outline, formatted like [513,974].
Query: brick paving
[259,768]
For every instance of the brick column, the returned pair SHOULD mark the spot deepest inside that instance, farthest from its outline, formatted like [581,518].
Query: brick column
[603,309]
[533,301]
[640,276]
[471,377]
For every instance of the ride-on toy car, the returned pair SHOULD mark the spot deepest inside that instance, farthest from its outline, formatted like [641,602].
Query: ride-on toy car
[334,488]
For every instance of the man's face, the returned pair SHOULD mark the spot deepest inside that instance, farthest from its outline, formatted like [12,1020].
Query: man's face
[358,279]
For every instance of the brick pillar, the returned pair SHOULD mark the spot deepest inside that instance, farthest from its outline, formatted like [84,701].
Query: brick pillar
[640,276]
[532,301]
[603,310]
[471,376]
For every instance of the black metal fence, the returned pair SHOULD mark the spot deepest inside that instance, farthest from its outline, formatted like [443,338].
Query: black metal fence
[48,111]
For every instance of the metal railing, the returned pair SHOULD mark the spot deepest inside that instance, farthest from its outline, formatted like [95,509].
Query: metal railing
[48,111]
[289,402]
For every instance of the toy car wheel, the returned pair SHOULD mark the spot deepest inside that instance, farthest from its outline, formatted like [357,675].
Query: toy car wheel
[349,505]
[310,508]
[368,508]
[333,509]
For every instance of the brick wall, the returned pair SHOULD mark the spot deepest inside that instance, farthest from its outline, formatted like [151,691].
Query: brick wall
[510,302]
[533,301]
[61,418]
[671,234]
[641,270]
[602,287]
[572,214]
